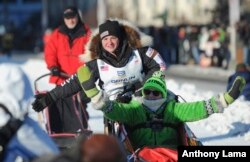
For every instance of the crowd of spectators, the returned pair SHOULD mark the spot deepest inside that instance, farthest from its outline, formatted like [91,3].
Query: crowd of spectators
[205,45]
[243,30]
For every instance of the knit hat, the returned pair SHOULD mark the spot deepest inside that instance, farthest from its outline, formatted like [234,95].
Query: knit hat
[156,82]
[70,12]
[110,28]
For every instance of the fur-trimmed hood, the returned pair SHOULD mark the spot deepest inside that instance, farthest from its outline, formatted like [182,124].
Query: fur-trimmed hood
[133,35]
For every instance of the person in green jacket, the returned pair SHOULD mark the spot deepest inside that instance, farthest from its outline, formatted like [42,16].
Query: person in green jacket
[153,119]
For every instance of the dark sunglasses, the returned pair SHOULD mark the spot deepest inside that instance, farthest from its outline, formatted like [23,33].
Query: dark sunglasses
[155,93]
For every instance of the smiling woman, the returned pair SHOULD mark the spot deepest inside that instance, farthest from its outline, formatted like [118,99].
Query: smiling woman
[110,34]
[110,44]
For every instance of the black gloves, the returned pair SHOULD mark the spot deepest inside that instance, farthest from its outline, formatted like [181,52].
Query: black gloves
[55,71]
[42,101]
[124,98]
[137,86]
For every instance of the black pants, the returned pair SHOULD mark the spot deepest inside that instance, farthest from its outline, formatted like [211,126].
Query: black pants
[69,115]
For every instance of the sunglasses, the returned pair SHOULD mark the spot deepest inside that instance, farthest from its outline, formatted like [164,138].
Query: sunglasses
[155,93]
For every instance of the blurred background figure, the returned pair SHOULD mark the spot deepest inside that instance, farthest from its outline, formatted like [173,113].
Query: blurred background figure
[243,29]
[47,36]
[7,43]
[17,128]
[183,45]
[102,148]
[95,148]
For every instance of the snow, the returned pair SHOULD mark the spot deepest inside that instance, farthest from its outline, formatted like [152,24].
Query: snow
[229,128]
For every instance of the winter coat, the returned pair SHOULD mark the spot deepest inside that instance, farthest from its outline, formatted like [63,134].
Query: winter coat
[64,53]
[172,113]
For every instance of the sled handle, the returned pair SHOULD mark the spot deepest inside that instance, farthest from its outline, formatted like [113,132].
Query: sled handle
[131,89]
[62,74]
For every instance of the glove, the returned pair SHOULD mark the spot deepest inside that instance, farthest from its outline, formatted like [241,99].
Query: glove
[55,71]
[123,98]
[39,96]
[137,86]
[42,101]
[87,81]
[235,90]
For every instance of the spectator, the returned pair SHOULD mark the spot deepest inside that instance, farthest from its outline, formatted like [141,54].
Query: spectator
[243,29]
[62,50]
[66,44]
[47,36]
[7,43]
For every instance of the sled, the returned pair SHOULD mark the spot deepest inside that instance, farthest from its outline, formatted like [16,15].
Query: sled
[64,140]
[158,153]
[187,137]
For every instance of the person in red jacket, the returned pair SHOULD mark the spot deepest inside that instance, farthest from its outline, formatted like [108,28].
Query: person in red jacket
[61,53]
[65,45]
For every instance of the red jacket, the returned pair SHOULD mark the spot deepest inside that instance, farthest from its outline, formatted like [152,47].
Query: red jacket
[59,53]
